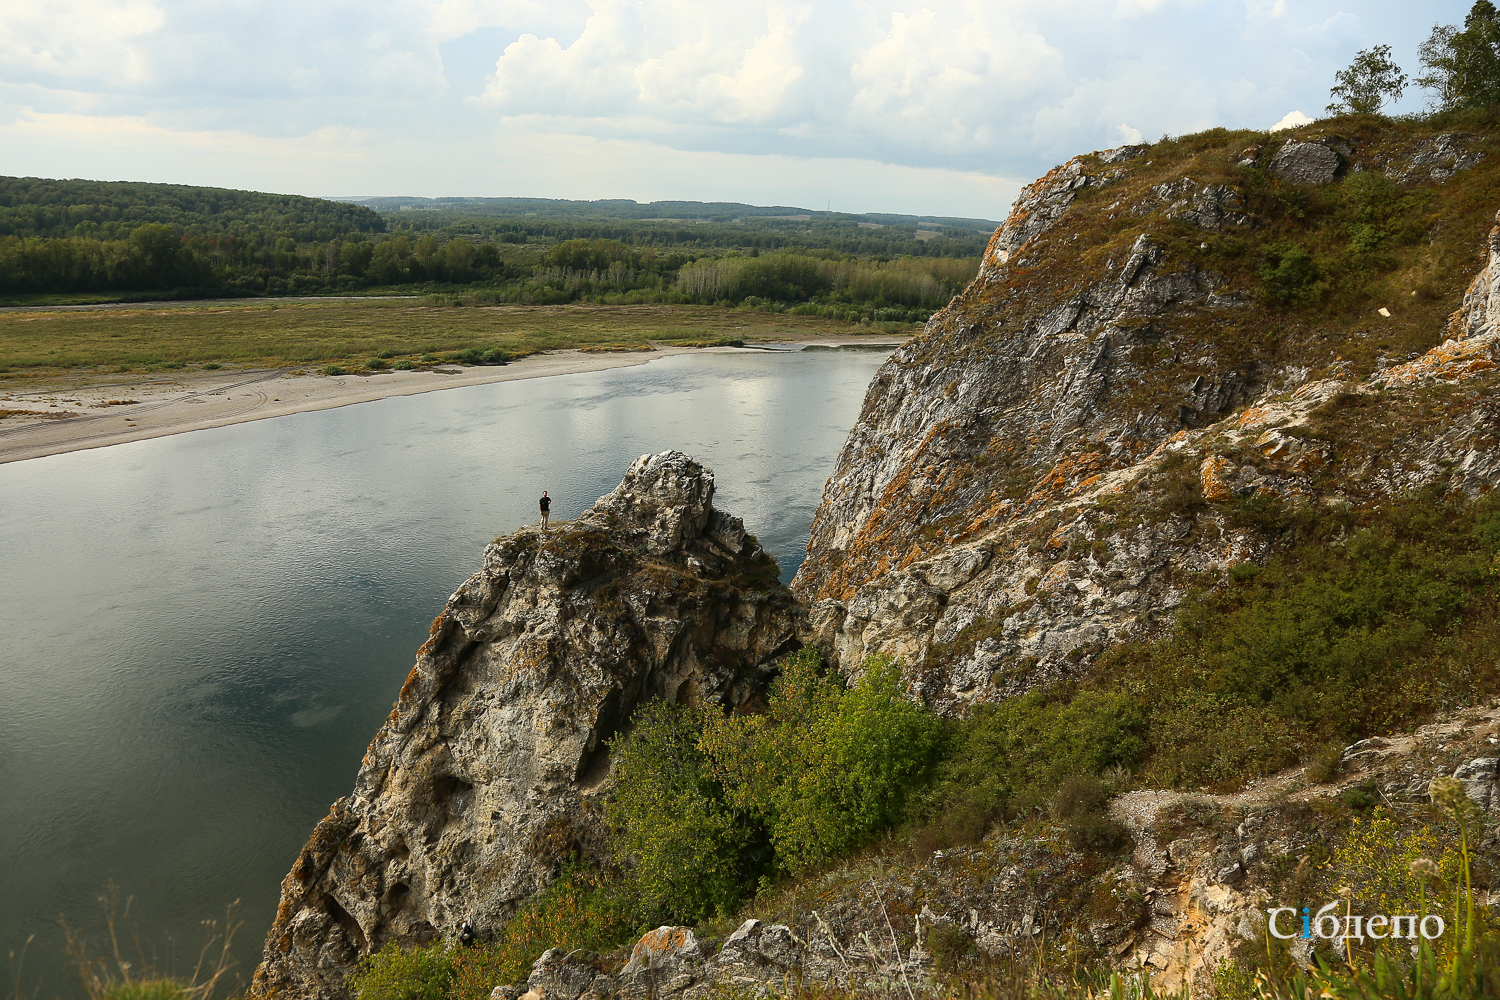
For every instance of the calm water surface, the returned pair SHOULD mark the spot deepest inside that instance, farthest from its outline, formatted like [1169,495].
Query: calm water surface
[202,632]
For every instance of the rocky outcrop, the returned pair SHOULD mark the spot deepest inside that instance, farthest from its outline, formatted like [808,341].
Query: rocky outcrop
[1435,159]
[1019,491]
[1042,202]
[490,769]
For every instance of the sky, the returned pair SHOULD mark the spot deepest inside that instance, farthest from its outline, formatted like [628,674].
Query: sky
[932,107]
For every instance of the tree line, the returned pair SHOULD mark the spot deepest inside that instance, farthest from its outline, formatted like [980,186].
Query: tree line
[821,283]
[1460,67]
[112,210]
[845,234]
[153,240]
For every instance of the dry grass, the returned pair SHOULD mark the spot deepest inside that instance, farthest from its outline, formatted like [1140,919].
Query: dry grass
[273,334]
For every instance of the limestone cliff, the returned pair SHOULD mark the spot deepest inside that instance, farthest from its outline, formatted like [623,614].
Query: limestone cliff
[489,770]
[1038,474]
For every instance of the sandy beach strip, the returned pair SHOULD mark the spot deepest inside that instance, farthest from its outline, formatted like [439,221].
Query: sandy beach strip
[79,412]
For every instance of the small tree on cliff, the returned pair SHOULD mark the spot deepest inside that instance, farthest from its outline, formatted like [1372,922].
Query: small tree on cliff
[1463,67]
[1371,79]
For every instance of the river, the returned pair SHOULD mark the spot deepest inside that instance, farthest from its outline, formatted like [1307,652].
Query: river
[202,632]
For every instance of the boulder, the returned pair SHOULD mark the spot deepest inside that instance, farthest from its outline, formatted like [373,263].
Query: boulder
[663,946]
[1481,781]
[1305,162]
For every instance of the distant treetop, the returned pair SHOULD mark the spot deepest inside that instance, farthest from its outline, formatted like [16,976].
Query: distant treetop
[36,206]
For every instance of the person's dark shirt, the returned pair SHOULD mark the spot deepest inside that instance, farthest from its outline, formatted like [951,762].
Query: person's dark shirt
[546,504]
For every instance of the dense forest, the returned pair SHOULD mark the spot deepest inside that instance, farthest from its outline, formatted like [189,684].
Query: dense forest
[691,224]
[133,240]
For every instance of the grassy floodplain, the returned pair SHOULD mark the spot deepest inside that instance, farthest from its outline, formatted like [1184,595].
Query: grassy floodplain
[276,334]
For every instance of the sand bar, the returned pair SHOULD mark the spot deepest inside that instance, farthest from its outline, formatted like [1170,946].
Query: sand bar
[72,413]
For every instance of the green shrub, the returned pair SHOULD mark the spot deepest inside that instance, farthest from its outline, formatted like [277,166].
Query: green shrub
[1012,756]
[690,853]
[1082,803]
[212,366]
[375,365]
[1343,633]
[823,766]
[393,973]
[1289,274]
[1326,764]
[333,370]
[495,356]
[704,803]
[403,365]
[430,358]
[387,354]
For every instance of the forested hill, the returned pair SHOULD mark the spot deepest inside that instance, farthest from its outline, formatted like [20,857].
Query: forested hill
[87,239]
[690,224]
[41,207]
[656,211]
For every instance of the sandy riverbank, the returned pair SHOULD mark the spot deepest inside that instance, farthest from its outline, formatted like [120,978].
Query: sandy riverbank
[73,413]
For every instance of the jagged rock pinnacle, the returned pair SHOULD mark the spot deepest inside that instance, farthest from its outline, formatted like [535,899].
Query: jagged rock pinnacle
[491,768]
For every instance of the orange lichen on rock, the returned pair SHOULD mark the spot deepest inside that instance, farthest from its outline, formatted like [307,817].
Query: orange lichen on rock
[1211,476]
[1450,361]
[1252,416]
[1068,476]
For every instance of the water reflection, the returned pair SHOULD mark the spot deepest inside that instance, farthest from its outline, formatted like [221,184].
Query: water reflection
[203,631]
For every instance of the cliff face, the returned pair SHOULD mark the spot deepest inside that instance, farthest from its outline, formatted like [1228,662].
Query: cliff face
[491,767]
[1043,470]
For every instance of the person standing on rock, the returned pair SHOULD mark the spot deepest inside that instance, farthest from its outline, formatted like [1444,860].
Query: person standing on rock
[545,504]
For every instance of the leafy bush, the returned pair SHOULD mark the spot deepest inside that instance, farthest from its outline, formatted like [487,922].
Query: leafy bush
[691,854]
[333,370]
[1009,757]
[393,973]
[376,364]
[824,767]
[706,803]
[1289,273]
[1326,764]
[1082,803]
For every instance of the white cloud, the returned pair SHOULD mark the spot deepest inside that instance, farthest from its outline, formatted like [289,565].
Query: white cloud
[939,76]
[972,87]
[1128,136]
[1292,119]
[99,41]
[338,161]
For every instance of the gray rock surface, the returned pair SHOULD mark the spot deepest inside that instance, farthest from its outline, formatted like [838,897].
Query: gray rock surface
[1435,159]
[1042,202]
[973,527]
[1305,162]
[1481,781]
[491,768]
[1212,207]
